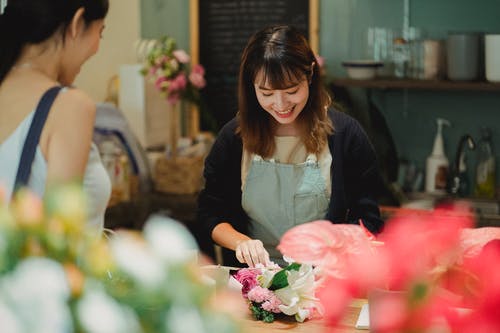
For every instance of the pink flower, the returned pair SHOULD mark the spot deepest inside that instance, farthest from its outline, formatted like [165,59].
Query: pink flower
[431,240]
[181,56]
[197,76]
[248,279]
[160,81]
[333,247]
[272,304]
[177,84]
[472,240]
[483,296]
[258,294]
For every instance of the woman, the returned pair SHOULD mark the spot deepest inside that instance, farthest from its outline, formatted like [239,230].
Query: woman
[44,43]
[286,159]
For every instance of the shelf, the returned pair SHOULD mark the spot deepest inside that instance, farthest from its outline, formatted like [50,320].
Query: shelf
[417,84]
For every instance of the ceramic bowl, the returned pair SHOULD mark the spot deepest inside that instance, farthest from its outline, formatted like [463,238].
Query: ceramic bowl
[362,69]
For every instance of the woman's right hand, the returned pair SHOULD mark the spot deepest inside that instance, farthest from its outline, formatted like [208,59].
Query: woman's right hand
[252,252]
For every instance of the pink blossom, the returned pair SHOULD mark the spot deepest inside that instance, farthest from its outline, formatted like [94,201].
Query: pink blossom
[272,304]
[333,247]
[483,297]
[258,294]
[177,84]
[159,83]
[181,56]
[472,240]
[197,76]
[248,279]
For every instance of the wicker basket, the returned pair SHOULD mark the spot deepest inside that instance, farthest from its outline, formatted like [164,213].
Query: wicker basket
[180,175]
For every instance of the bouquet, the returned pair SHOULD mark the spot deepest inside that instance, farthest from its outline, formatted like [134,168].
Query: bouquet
[56,278]
[169,68]
[272,290]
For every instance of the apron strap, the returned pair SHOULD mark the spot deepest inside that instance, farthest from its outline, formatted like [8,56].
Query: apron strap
[33,137]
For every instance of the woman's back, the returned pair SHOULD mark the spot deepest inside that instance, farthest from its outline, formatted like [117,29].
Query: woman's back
[96,183]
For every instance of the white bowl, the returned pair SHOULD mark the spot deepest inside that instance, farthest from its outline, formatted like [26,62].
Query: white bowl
[362,69]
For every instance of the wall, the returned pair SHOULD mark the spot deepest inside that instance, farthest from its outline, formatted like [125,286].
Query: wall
[116,48]
[410,114]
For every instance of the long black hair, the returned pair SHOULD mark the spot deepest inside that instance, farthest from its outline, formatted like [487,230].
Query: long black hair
[33,21]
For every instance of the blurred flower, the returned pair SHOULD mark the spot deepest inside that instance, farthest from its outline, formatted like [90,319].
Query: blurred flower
[432,273]
[132,283]
[168,67]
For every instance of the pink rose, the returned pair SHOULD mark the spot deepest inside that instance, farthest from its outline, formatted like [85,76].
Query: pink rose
[182,56]
[248,279]
[177,84]
[197,76]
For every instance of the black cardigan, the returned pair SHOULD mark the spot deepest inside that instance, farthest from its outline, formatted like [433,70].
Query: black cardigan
[354,175]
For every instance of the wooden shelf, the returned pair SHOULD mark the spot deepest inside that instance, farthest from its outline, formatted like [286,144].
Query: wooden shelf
[417,84]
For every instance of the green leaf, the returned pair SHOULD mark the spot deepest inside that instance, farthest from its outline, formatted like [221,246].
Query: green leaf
[280,279]
[261,314]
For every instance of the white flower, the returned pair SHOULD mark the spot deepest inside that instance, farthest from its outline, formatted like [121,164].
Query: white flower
[99,313]
[169,239]
[37,292]
[9,322]
[184,320]
[298,297]
[135,258]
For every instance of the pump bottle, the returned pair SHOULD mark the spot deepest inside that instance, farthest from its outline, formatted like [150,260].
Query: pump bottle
[437,165]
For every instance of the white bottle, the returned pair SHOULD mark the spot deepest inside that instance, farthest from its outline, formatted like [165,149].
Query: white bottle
[437,163]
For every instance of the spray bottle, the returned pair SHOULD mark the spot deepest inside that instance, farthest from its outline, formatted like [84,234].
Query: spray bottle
[437,165]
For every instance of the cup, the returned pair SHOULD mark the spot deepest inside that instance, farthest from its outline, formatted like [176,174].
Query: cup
[379,48]
[492,57]
[462,50]
[433,56]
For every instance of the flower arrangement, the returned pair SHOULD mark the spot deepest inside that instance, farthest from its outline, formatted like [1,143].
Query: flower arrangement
[54,277]
[169,68]
[430,271]
[272,290]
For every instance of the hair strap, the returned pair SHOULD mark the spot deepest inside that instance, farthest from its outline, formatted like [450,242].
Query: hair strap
[33,137]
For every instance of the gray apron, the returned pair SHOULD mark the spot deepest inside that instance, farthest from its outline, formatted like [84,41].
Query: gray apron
[279,196]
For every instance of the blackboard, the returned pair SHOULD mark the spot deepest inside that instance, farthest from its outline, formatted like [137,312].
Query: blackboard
[224,27]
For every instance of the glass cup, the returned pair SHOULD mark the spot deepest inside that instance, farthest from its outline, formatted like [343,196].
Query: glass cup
[380,48]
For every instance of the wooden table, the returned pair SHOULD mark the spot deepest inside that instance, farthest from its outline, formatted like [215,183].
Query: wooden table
[311,326]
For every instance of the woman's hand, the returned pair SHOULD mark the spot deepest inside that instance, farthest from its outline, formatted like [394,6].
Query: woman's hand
[252,252]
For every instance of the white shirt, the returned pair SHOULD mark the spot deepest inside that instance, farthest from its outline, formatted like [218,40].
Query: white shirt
[96,183]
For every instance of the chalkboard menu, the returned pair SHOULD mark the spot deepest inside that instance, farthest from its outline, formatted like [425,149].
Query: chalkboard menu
[224,29]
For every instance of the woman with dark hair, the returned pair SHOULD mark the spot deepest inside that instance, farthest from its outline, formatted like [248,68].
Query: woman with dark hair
[46,125]
[287,158]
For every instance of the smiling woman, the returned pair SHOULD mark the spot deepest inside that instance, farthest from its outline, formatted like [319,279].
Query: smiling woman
[287,158]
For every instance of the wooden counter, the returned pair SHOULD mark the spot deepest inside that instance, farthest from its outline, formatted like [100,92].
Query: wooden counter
[311,326]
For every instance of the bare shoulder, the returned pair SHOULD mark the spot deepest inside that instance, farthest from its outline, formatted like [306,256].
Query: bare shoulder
[74,105]
[75,99]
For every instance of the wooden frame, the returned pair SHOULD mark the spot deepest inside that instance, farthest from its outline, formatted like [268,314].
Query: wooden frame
[194,35]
